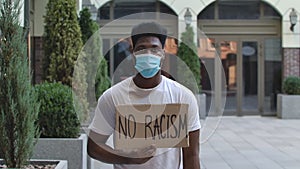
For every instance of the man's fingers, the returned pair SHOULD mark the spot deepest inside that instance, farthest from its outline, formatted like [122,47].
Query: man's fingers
[148,151]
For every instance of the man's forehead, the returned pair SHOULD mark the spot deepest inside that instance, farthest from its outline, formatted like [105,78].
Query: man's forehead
[149,39]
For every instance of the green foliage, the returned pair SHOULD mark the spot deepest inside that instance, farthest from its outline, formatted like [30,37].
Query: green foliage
[102,80]
[62,40]
[79,85]
[187,52]
[291,85]
[87,25]
[18,102]
[63,45]
[96,66]
[57,116]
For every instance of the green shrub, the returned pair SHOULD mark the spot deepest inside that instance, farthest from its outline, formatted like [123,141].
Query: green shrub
[291,85]
[102,79]
[57,116]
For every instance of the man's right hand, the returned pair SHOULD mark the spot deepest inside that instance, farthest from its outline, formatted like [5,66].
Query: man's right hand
[139,156]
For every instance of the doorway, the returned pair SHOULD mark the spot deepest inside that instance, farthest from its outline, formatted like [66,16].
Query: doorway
[241,66]
[246,37]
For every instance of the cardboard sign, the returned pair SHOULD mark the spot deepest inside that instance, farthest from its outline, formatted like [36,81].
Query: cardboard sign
[165,125]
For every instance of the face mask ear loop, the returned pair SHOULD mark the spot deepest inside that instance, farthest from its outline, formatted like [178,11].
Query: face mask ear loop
[162,59]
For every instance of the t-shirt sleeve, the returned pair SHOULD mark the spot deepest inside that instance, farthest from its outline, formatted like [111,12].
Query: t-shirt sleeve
[193,113]
[104,118]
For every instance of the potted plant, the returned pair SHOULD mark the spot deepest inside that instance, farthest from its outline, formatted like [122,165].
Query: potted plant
[59,123]
[18,102]
[288,106]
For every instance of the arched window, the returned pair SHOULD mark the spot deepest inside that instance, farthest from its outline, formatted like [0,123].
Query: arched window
[119,8]
[242,10]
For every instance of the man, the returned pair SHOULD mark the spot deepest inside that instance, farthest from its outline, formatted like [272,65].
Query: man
[148,86]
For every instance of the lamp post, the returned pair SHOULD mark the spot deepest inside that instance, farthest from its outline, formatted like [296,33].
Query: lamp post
[293,19]
[188,17]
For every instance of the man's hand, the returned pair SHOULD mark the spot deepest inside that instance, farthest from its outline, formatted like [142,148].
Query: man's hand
[139,156]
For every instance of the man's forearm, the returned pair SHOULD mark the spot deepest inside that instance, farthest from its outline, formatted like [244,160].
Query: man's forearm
[191,163]
[106,154]
[191,159]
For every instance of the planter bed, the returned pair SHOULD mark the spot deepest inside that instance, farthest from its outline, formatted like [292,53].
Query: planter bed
[42,164]
[72,150]
[288,106]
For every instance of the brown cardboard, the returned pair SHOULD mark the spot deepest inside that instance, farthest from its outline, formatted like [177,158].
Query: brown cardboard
[164,125]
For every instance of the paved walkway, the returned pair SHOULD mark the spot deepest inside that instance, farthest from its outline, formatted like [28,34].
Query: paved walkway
[249,142]
[252,143]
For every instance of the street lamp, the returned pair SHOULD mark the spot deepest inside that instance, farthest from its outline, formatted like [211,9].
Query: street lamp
[293,19]
[188,17]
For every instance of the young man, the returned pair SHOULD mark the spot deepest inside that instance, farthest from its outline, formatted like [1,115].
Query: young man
[148,86]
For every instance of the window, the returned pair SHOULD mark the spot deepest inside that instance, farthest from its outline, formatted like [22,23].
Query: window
[208,12]
[103,12]
[238,9]
[241,10]
[123,8]
[126,8]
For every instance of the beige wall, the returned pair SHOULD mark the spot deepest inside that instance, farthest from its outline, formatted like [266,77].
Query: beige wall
[289,39]
[21,16]
[39,13]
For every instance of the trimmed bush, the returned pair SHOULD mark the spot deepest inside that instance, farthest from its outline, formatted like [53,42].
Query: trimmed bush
[57,116]
[291,85]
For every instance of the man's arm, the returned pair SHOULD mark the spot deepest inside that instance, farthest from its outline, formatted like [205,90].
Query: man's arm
[98,150]
[191,153]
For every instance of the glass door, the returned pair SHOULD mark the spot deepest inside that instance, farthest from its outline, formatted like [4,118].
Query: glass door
[250,69]
[240,61]
[227,50]
[236,75]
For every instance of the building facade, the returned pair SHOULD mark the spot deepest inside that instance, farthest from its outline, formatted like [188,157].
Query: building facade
[252,40]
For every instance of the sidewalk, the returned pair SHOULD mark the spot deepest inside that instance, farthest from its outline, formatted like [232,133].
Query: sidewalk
[250,142]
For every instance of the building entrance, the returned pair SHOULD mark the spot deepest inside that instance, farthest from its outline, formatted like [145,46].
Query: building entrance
[246,36]
[249,74]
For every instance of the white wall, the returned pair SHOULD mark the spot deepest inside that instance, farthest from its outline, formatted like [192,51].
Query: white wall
[40,12]
[289,39]
[21,16]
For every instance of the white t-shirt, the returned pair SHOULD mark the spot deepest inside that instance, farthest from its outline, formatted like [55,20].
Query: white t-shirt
[127,93]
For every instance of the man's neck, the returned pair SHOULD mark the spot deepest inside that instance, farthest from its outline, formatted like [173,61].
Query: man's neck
[148,83]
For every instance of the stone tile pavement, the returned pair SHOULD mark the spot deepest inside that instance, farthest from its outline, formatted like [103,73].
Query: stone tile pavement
[250,142]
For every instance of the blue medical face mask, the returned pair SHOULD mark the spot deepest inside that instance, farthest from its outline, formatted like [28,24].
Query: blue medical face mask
[147,64]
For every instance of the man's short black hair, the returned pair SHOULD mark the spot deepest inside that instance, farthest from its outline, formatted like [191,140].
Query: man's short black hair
[148,29]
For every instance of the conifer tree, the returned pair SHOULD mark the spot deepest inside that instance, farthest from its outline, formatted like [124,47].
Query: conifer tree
[62,41]
[187,52]
[87,25]
[102,80]
[18,102]
[96,65]
[62,45]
